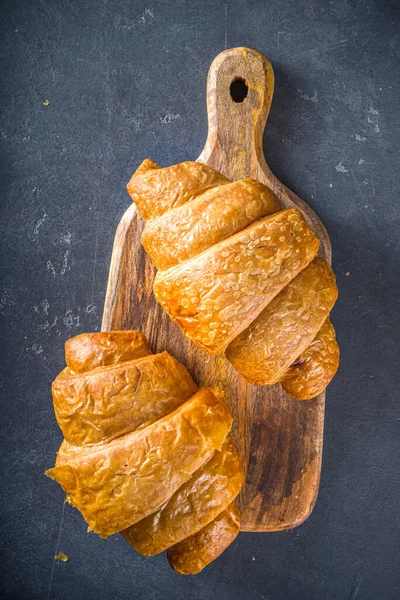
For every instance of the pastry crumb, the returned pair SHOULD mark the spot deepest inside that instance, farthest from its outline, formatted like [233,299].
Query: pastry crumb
[348,273]
[46,102]
[253,558]
[61,556]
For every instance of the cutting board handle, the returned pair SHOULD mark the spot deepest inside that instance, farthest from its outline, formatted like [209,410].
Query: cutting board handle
[240,85]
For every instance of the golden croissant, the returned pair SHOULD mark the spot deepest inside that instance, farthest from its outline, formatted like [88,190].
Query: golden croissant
[145,452]
[239,275]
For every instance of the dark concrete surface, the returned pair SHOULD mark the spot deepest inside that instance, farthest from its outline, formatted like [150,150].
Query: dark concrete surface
[126,80]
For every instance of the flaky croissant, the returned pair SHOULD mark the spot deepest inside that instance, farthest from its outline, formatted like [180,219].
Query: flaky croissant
[145,453]
[239,275]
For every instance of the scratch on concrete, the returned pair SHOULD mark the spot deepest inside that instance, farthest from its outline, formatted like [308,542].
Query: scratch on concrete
[56,551]
[50,268]
[65,238]
[146,17]
[47,326]
[70,320]
[321,49]
[64,265]
[169,117]
[312,98]
[372,118]
[356,590]
[36,348]
[340,168]
[38,223]
[45,306]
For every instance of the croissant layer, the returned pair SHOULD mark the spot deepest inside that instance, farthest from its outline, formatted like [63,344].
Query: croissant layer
[106,402]
[100,349]
[215,215]
[316,367]
[115,485]
[216,295]
[264,351]
[155,195]
[195,504]
[196,552]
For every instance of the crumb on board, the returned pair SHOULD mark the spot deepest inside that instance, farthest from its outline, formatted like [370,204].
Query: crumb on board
[253,558]
[61,556]
[348,273]
[46,102]
[116,539]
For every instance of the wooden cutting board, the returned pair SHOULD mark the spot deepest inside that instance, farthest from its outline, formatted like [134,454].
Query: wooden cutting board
[279,438]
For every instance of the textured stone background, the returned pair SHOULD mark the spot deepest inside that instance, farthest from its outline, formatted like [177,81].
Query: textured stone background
[126,80]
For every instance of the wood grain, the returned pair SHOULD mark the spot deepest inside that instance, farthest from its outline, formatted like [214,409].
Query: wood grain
[279,438]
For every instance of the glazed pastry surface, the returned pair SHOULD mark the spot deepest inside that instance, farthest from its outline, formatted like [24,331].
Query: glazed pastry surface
[238,274]
[195,504]
[145,451]
[216,295]
[286,327]
[215,215]
[315,368]
[104,403]
[194,553]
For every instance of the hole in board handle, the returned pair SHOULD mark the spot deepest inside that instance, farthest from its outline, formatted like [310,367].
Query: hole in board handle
[239,89]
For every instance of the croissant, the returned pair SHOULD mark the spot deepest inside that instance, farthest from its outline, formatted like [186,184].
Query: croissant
[239,275]
[145,452]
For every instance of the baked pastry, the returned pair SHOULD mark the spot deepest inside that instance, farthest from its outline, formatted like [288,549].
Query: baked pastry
[179,184]
[145,451]
[208,219]
[104,403]
[193,505]
[312,372]
[284,330]
[239,275]
[197,551]
[214,296]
